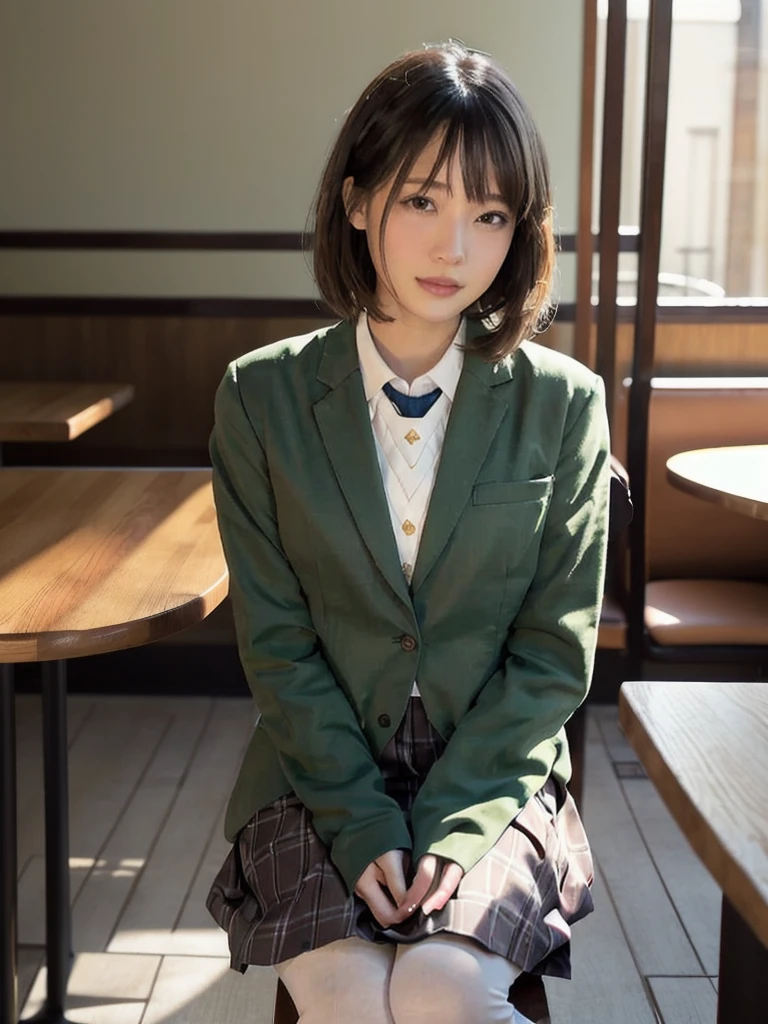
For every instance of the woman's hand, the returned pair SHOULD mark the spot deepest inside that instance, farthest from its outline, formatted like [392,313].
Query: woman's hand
[382,886]
[436,880]
[383,882]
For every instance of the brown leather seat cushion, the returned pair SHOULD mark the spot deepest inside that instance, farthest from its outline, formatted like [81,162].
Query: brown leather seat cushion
[707,612]
[612,634]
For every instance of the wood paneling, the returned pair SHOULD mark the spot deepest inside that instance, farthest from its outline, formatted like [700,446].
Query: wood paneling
[701,348]
[690,350]
[174,365]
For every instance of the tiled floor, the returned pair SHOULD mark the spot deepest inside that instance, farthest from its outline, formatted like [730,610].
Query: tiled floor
[149,778]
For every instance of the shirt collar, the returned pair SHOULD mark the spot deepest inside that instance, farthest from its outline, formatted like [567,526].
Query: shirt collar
[376,373]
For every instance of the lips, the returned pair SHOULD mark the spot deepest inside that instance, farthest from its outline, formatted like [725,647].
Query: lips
[442,286]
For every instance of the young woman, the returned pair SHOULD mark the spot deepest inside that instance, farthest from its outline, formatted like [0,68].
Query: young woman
[413,505]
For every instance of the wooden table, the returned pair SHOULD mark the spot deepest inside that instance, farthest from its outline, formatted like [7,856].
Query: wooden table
[735,477]
[705,748]
[90,561]
[56,411]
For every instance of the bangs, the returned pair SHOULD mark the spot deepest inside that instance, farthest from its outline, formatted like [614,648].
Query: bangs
[482,146]
[483,139]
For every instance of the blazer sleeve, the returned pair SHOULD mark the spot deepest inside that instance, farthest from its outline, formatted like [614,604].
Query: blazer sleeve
[503,750]
[322,749]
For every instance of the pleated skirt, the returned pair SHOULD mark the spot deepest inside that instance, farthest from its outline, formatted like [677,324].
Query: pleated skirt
[278,894]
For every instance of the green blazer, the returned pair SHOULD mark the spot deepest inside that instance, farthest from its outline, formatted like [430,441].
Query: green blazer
[498,625]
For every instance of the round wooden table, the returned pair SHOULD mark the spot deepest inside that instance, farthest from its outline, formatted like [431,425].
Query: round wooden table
[91,561]
[735,477]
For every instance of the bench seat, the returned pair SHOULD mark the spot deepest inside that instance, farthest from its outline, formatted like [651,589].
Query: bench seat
[700,612]
[612,633]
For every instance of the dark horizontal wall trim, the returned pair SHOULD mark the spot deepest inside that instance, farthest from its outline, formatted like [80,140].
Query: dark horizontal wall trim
[206,241]
[693,311]
[629,241]
[152,241]
[702,311]
[31,453]
[77,305]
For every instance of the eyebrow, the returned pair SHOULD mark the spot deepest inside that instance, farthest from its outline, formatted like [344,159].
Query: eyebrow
[495,197]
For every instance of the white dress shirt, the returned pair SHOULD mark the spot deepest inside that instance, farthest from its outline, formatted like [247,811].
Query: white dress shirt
[408,449]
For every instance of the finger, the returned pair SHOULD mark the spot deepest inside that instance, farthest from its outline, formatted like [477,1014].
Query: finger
[420,886]
[391,864]
[369,877]
[449,883]
[437,899]
[379,904]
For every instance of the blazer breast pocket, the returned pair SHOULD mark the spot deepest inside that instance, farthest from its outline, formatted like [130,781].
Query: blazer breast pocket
[508,492]
[509,515]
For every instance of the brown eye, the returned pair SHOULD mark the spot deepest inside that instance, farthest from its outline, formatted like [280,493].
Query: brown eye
[502,218]
[420,203]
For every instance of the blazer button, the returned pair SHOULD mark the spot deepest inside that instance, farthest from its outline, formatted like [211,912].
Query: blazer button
[384,721]
[408,643]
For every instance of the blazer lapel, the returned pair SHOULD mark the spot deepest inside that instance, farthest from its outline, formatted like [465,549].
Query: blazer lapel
[473,423]
[344,422]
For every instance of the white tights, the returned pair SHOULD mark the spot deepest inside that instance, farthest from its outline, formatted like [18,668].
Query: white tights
[444,978]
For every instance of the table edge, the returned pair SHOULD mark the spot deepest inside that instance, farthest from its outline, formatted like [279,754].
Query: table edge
[733,502]
[62,645]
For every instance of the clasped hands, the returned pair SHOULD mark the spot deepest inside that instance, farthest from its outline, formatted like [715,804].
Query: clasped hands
[383,887]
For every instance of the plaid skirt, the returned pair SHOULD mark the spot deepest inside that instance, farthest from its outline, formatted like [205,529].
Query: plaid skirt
[278,894]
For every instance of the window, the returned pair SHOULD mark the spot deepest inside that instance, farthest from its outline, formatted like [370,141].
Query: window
[715,228]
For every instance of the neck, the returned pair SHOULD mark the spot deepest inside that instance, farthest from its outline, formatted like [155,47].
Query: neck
[413,349]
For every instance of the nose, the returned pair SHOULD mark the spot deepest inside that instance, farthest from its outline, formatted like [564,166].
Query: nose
[450,242]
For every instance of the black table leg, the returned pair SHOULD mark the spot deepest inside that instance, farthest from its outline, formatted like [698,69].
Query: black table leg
[58,920]
[743,985]
[9,985]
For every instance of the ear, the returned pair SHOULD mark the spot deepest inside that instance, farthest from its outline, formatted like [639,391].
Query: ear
[356,211]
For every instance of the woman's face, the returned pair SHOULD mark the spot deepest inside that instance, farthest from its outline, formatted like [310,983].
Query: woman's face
[435,236]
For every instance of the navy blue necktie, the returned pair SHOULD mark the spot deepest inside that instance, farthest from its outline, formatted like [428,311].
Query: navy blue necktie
[407,405]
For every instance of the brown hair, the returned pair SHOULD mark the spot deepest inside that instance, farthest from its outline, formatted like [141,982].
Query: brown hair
[465,95]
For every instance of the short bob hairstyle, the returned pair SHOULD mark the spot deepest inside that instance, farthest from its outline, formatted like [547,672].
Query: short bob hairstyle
[465,96]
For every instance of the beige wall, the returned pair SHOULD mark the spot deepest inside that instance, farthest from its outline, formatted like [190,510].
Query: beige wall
[192,115]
